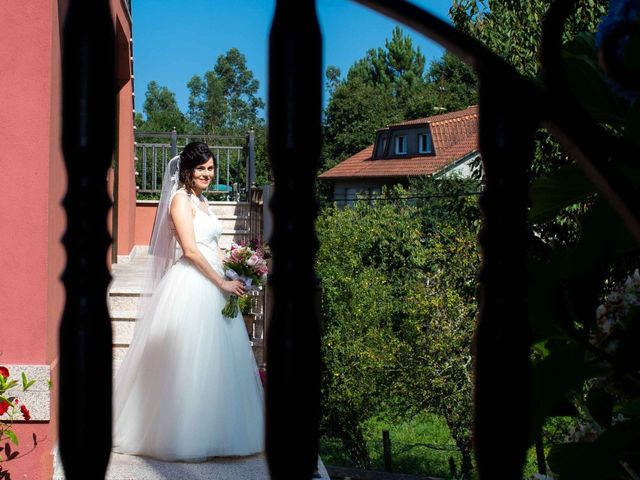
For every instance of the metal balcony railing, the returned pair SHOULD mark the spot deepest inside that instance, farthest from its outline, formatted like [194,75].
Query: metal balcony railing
[235,162]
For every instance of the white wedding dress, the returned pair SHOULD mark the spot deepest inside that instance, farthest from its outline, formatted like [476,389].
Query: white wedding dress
[189,387]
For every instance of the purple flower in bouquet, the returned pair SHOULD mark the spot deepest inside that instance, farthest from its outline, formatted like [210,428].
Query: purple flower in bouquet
[247,264]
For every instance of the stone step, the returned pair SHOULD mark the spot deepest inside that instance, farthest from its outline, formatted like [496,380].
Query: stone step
[238,236]
[119,352]
[123,303]
[234,223]
[129,467]
[122,332]
[227,209]
[123,325]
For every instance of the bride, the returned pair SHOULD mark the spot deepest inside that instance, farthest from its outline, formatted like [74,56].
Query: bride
[188,387]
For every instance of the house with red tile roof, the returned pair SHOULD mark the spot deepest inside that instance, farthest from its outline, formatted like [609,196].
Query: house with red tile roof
[439,146]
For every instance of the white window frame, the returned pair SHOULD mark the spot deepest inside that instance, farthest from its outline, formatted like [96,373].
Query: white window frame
[429,148]
[397,149]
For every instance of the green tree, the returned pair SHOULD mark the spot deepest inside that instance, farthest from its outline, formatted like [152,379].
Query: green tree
[369,258]
[354,113]
[513,28]
[161,111]
[451,84]
[378,90]
[436,358]
[398,310]
[223,100]
[390,85]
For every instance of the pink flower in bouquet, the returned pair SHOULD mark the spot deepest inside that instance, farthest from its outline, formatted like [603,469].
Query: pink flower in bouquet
[246,264]
[253,260]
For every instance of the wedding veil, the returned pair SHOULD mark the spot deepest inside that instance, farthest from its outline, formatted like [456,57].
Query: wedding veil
[162,248]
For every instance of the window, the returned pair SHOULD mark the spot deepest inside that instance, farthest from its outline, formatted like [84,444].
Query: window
[401,145]
[424,143]
[382,144]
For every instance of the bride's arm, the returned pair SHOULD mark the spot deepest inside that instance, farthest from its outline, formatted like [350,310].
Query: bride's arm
[182,216]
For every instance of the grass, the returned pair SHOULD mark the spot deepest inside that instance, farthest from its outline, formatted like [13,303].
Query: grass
[407,455]
[424,428]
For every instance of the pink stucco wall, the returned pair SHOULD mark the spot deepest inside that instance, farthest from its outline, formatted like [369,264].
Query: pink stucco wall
[125,145]
[145,216]
[25,116]
[32,220]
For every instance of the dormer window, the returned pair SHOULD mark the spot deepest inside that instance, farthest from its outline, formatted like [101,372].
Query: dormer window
[381,145]
[424,143]
[401,145]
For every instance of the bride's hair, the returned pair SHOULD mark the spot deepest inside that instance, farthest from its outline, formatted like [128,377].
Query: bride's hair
[194,154]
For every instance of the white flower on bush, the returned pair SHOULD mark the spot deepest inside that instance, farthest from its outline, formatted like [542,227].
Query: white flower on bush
[540,476]
[618,419]
[616,306]
[584,432]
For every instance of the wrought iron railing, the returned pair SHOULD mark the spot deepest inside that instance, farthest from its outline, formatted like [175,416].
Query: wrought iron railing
[235,162]
[511,109]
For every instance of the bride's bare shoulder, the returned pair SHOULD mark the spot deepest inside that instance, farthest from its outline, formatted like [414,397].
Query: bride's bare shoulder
[180,201]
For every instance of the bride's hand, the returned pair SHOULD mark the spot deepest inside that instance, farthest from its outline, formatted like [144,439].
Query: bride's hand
[235,287]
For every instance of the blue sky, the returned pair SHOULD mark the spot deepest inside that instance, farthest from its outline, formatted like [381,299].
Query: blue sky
[175,40]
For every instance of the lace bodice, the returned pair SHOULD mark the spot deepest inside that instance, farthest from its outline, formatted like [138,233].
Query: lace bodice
[206,227]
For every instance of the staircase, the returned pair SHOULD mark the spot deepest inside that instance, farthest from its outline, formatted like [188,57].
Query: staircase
[127,467]
[235,221]
[126,288]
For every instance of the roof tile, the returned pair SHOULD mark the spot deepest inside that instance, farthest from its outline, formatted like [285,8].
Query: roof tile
[454,135]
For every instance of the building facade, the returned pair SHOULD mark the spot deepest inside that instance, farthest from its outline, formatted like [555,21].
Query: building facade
[32,219]
[439,146]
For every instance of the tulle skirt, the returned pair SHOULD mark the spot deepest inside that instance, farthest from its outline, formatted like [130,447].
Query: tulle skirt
[188,387]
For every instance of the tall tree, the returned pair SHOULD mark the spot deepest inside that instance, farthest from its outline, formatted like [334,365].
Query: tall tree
[224,100]
[513,28]
[377,90]
[161,111]
[390,85]
[452,83]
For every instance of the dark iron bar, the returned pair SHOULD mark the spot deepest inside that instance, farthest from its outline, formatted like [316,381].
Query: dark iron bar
[293,338]
[386,446]
[88,116]
[502,341]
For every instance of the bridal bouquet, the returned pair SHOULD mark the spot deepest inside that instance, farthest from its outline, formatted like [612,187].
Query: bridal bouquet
[245,263]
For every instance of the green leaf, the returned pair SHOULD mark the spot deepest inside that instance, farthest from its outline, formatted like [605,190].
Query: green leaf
[587,82]
[629,409]
[632,124]
[600,406]
[26,383]
[600,459]
[9,385]
[549,195]
[12,436]
[604,237]
[544,285]
[560,373]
